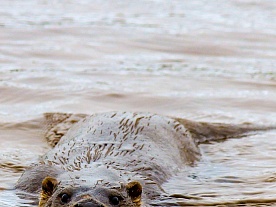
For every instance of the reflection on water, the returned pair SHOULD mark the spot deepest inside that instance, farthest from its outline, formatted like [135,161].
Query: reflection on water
[201,60]
[10,198]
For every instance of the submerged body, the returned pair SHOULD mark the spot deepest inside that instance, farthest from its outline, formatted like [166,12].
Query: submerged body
[118,159]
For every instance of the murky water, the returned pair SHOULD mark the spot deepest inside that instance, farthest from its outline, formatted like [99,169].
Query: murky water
[201,60]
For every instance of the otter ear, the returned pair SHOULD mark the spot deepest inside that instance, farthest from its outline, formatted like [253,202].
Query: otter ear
[48,186]
[134,190]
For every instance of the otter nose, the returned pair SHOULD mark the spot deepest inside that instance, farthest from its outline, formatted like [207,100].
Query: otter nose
[89,204]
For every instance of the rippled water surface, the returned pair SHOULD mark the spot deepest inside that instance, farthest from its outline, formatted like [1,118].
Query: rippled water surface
[201,60]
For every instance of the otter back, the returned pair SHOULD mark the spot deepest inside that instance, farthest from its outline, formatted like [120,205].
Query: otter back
[127,142]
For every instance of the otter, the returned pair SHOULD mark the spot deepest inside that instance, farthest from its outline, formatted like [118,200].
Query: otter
[119,159]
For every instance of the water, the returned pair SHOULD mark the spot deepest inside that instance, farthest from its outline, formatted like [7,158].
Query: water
[200,60]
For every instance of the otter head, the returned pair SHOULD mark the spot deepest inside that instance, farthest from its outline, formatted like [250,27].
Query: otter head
[54,194]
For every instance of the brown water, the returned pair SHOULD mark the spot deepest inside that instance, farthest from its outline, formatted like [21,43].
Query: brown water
[201,60]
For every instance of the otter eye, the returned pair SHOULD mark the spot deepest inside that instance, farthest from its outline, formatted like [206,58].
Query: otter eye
[114,200]
[64,198]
